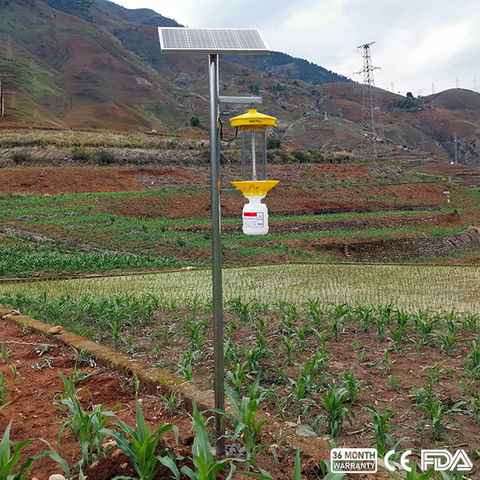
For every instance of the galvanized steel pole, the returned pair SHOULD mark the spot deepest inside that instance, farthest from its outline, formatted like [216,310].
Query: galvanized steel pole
[216,255]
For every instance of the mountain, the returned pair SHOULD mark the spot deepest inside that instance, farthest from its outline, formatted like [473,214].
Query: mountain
[284,66]
[94,64]
[276,64]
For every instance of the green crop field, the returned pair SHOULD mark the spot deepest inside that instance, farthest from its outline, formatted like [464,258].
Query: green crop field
[411,287]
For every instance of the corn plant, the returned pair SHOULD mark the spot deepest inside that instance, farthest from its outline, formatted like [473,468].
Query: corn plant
[447,341]
[140,446]
[385,363]
[393,381]
[240,307]
[238,376]
[243,418]
[185,366]
[83,357]
[412,475]
[472,362]
[383,430]
[470,323]
[353,386]
[381,322]
[87,428]
[315,311]
[424,326]
[205,464]
[335,411]
[363,314]
[402,318]
[9,462]
[4,385]
[396,336]
[437,417]
[5,352]
[289,343]
[297,470]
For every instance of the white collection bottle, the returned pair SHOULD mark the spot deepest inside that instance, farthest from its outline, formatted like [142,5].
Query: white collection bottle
[255,216]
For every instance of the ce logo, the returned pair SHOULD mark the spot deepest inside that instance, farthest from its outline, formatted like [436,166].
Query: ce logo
[403,461]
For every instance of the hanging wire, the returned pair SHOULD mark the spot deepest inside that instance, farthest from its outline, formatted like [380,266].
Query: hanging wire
[221,133]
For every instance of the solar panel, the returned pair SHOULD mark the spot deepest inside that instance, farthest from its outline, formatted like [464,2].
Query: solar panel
[212,40]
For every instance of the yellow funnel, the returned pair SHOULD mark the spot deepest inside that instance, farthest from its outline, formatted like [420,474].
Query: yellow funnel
[255,187]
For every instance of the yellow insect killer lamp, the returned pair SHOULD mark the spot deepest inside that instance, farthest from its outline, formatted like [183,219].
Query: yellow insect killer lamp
[255,213]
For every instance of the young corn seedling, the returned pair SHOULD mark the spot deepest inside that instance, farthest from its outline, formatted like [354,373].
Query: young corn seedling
[205,464]
[393,381]
[381,322]
[474,401]
[364,315]
[387,366]
[9,463]
[436,419]
[383,430]
[289,343]
[472,363]
[413,475]
[397,336]
[353,386]
[335,411]
[4,385]
[241,308]
[238,377]
[446,341]
[315,312]
[5,352]
[185,366]
[83,357]
[470,323]
[424,326]
[140,445]
[87,428]
[243,418]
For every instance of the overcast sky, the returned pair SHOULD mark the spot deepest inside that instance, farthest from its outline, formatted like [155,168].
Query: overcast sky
[417,42]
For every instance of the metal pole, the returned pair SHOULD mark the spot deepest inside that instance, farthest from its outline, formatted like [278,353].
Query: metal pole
[216,255]
[254,158]
[244,174]
[264,152]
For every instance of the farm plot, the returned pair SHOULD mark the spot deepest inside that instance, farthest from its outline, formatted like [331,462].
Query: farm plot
[360,375]
[411,287]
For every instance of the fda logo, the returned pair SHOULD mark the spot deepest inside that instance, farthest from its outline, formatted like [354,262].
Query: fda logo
[442,460]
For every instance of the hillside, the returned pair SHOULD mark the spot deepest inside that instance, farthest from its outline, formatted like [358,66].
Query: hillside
[98,65]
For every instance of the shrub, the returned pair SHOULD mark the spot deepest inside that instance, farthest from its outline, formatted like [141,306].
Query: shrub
[273,143]
[21,157]
[105,157]
[81,154]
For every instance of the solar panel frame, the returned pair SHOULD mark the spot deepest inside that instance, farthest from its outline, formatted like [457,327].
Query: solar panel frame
[231,41]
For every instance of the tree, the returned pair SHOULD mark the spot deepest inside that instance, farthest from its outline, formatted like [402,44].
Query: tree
[195,122]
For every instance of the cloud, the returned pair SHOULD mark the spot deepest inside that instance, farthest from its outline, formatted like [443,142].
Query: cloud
[416,42]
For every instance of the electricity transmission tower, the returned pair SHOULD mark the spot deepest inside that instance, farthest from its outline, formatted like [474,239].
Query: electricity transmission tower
[9,49]
[2,91]
[372,128]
